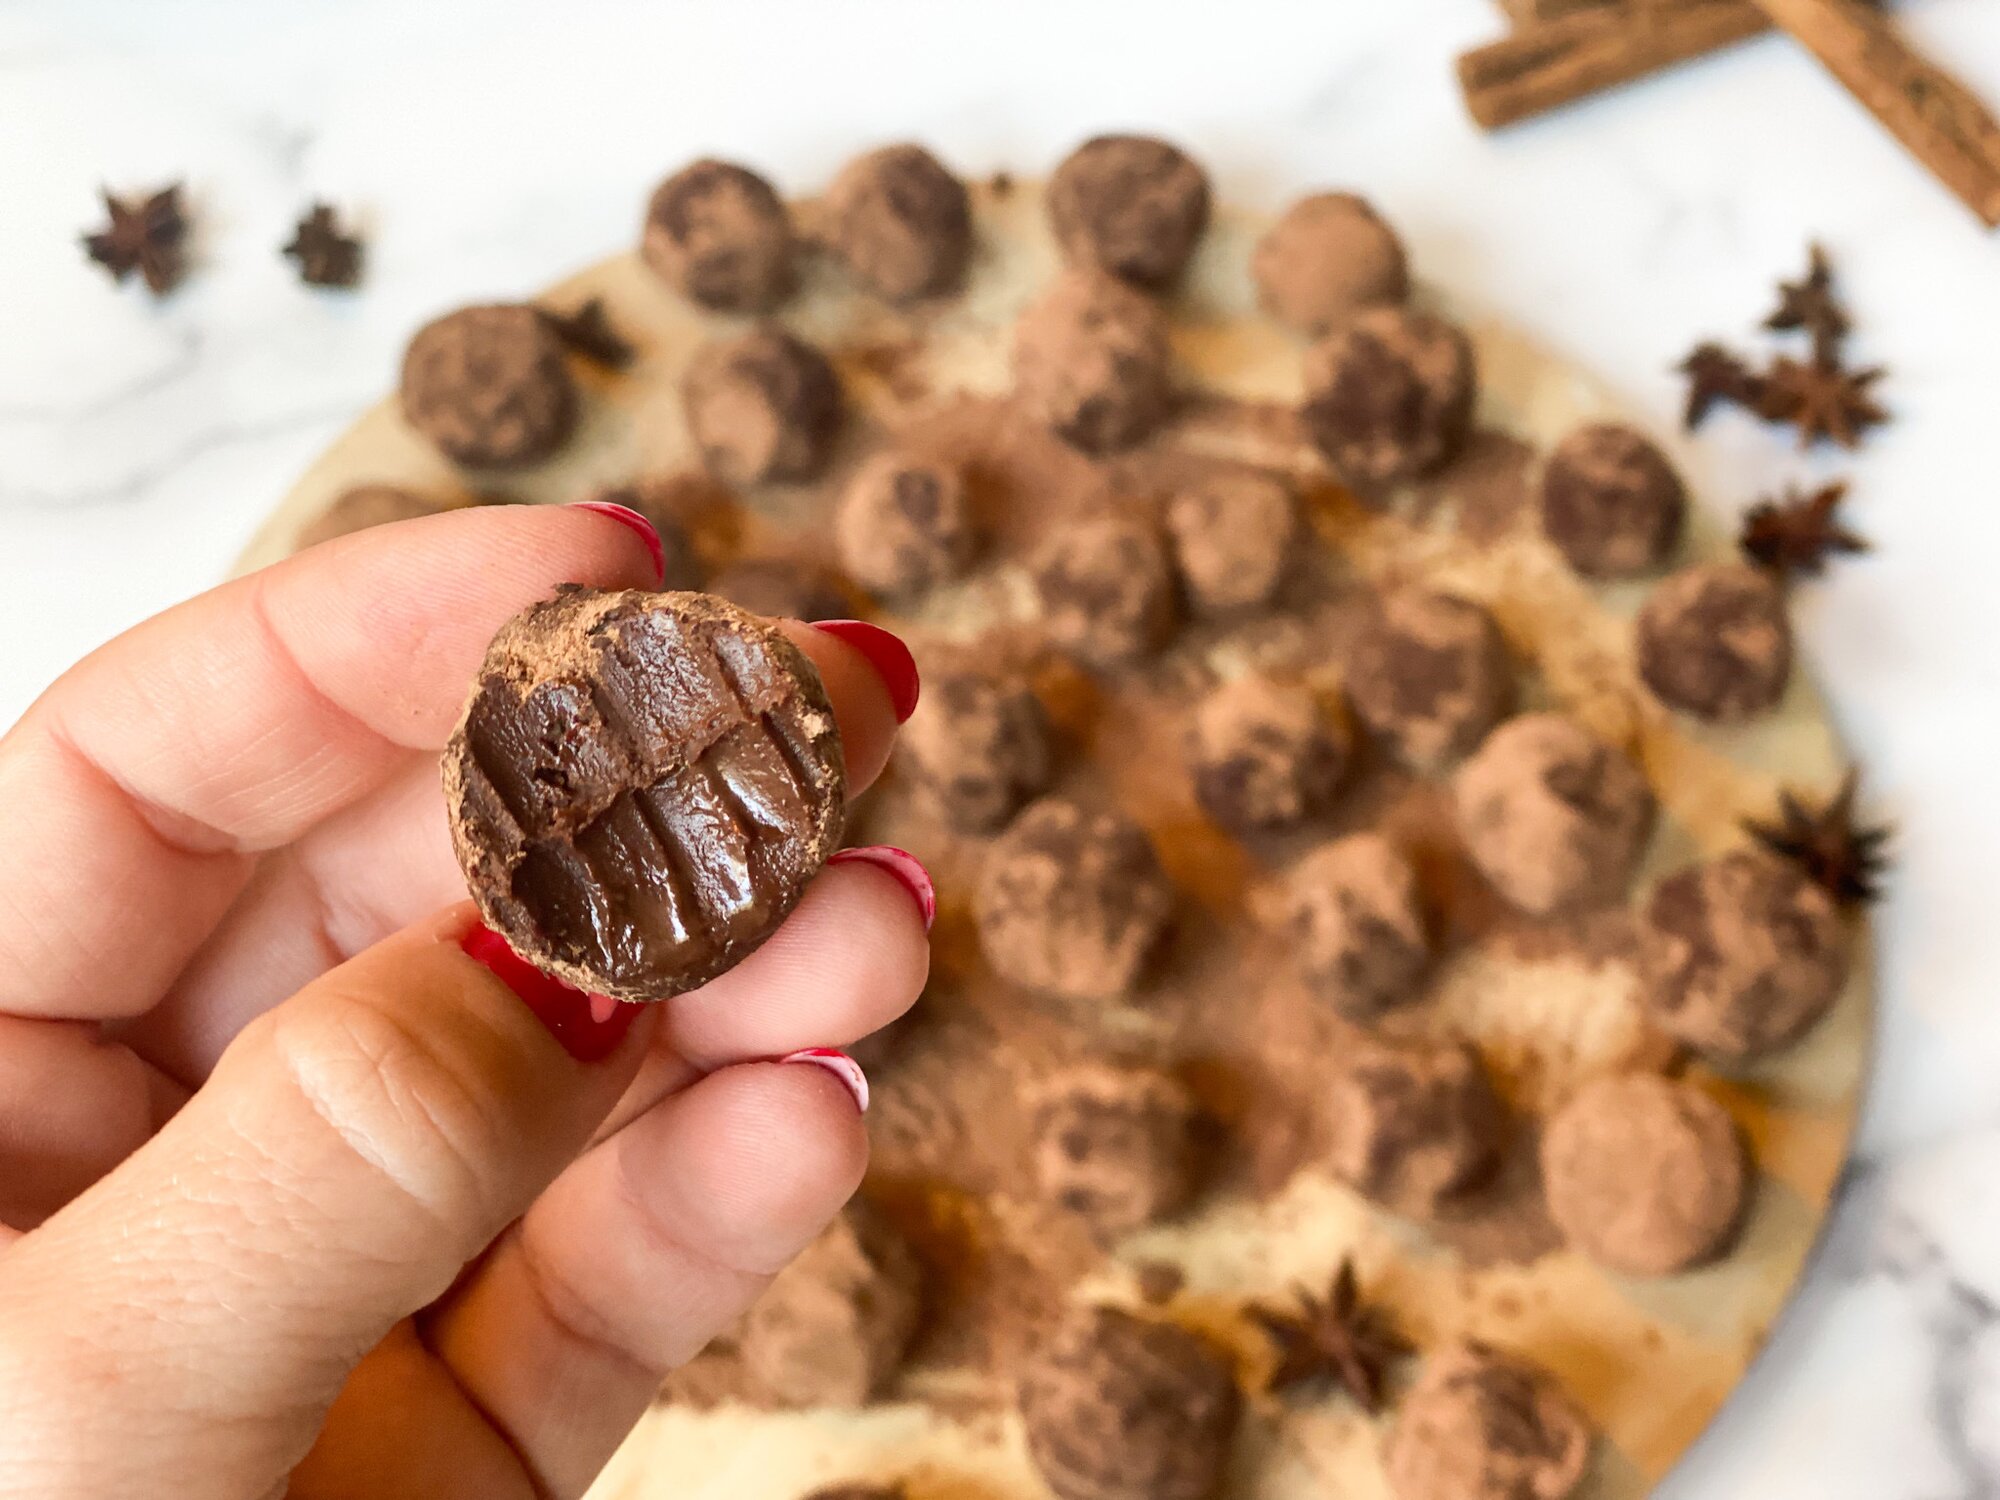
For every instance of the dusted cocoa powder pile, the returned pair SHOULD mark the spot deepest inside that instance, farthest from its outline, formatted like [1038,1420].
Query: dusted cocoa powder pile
[978,746]
[1107,590]
[783,588]
[762,406]
[1130,205]
[1114,1146]
[901,223]
[1356,925]
[1389,397]
[1714,642]
[1611,503]
[1414,1125]
[1482,1425]
[1266,755]
[640,787]
[364,506]
[903,526]
[720,235]
[489,387]
[1429,676]
[1091,359]
[1331,256]
[1235,536]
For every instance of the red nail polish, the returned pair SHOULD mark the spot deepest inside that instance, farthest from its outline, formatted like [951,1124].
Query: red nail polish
[632,521]
[902,864]
[589,1027]
[841,1066]
[889,657]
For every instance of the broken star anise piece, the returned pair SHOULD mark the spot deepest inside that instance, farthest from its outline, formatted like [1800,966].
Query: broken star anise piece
[1810,304]
[326,256]
[147,235]
[1336,1337]
[1796,535]
[588,332]
[1823,399]
[1845,861]
[1715,374]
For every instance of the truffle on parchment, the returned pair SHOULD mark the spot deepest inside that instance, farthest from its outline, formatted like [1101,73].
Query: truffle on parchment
[1114,1146]
[1611,503]
[1483,1425]
[1106,589]
[762,406]
[719,234]
[1236,536]
[1389,397]
[488,386]
[1329,256]
[1414,1124]
[1355,925]
[1131,205]
[1266,755]
[900,222]
[1714,642]
[903,526]
[1429,675]
[978,746]
[1092,361]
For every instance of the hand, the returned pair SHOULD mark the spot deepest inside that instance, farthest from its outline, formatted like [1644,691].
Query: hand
[295,1195]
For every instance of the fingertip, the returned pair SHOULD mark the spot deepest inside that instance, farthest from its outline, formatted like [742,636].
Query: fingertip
[864,701]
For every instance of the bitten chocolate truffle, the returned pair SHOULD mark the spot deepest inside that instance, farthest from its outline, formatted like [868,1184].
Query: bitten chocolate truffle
[640,787]
[783,588]
[1107,591]
[1429,676]
[720,235]
[1266,755]
[1714,642]
[1610,502]
[1389,397]
[1329,257]
[1115,1146]
[901,223]
[1740,956]
[1091,359]
[1552,816]
[1645,1175]
[1072,901]
[657,500]
[1414,1125]
[978,745]
[1130,205]
[762,406]
[1235,538]
[1356,924]
[834,1326]
[1482,1425]
[364,506]
[903,526]
[1117,1408]
[488,386]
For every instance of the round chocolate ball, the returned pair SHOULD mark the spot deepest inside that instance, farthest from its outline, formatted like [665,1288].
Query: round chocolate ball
[1265,755]
[1414,1125]
[1740,956]
[1106,590]
[1714,642]
[1552,816]
[488,387]
[1118,1408]
[978,745]
[1482,1425]
[901,223]
[364,506]
[1115,1146]
[1355,919]
[783,588]
[1389,397]
[1329,257]
[1645,1175]
[903,526]
[1091,359]
[1235,537]
[1429,676]
[1072,901]
[762,406]
[1130,205]
[1610,502]
[658,500]
[719,234]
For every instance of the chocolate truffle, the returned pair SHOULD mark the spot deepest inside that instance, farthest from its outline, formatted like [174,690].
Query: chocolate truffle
[1130,205]
[901,223]
[1740,956]
[657,501]
[1328,258]
[364,506]
[1356,924]
[1115,1146]
[1235,537]
[1389,397]
[640,787]
[1482,1425]
[1117,1408]
[1611,503]
[835,1324]
[1429,676]
[720,235]
[1107,591]
[1091,359]
[1265,755]
[488,386]
[783,588]
[1414,1125]
[903,526]
[1552,815]
[1714,641]
[978,745]
[1644,1175]
[1071,901]
[762,406]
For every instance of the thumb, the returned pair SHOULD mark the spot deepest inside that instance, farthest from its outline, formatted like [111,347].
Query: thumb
[194,1314]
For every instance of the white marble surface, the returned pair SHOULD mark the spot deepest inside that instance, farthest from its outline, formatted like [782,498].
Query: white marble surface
[491,147]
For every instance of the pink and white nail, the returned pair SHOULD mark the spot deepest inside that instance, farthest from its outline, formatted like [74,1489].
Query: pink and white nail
[841,1066]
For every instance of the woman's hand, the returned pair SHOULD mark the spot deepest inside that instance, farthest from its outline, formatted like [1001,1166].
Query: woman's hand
[296,1193]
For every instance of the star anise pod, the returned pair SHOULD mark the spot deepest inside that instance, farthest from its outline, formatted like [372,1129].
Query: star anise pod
[147,235]
[326,256]
[1845,861]
[1336,1337]
[1715,374]
[588,332]
[1823,399]
[1796,535]
[1810,303]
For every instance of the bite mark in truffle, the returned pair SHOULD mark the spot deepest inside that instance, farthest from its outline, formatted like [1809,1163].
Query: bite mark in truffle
[1714,642]
[1429,676]
[1130,205]
[1414,1126]
[1115,1147]
[719,234]
[1235,538]
[1106,589]
[1356,925]
[1265,755]
[901,222]
[1389,397]
[903,526]
[1329,257]
[1092,360]
[1610,502]
[1482,1425]
[488,387]
[979,747]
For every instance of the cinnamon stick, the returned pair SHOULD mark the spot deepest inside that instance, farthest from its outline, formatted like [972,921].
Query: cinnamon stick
[1939,120]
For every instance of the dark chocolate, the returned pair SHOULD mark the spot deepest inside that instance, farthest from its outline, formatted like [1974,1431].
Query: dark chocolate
[901,222]
[1130,205]
[1610,502]
[762,406]
[1092,360]
[489,386]
[719,234]
[1714,642]
[1389,398]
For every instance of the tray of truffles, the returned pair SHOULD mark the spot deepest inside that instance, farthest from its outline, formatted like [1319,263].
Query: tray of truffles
[1398,1008]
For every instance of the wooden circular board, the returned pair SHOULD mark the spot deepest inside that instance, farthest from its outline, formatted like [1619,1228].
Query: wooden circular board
[1650,1361]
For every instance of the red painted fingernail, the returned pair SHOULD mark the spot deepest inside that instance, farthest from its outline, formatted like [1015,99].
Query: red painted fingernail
[841,1066]
[589,1026]
[902,864]
[631,520]
[889,657]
